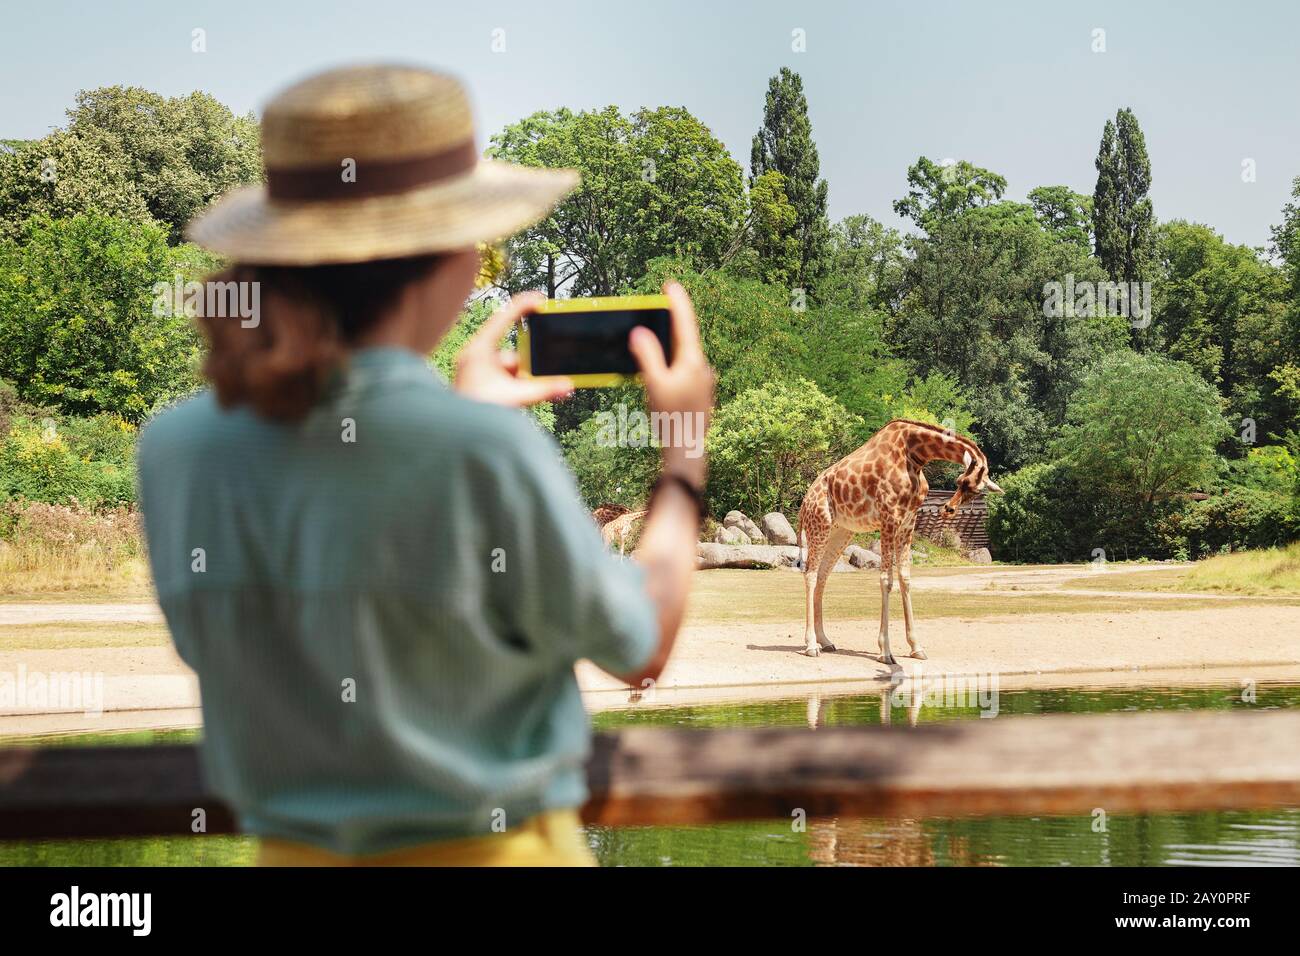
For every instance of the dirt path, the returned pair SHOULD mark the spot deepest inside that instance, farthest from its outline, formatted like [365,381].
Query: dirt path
[1236,638]
[150,686]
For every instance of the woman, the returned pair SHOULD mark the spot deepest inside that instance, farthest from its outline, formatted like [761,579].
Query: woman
[383,583]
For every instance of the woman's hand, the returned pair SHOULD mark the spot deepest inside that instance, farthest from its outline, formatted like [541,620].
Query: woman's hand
[487,373]
[683,390]
[684,387]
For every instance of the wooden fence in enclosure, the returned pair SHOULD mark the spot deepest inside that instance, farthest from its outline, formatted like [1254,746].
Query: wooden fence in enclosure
[1067,764]
[970,521]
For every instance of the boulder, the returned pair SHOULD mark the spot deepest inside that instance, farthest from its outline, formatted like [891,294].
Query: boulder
[729,536]
[874,547]
[777,529]
[737,520]
[981,556]
[860,557]
[710,556]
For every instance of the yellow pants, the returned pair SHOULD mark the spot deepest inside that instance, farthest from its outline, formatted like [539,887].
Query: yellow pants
[548,839]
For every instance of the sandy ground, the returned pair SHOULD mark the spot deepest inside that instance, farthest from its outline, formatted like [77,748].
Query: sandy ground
[149,687]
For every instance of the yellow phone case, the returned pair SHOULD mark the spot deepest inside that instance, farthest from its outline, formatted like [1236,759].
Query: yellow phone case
[577,306]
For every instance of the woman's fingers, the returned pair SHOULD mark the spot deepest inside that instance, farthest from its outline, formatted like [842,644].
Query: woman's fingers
[500,321]
[649,354]
[686,327]
[531,391]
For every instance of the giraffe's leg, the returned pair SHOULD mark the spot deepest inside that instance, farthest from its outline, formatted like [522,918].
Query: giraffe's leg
[836,542]
[903,550]
[887,538]
[814,529]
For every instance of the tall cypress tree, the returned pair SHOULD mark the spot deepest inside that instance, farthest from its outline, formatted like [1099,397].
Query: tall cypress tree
[1123,221]
[784,143]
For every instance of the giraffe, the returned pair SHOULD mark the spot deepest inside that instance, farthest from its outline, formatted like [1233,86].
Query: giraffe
[615,522]
[620,528]
[879,487]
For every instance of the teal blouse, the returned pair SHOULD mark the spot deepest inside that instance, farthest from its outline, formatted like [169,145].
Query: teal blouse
[384,604]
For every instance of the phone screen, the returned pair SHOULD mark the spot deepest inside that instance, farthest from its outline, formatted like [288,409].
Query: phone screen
[591,343]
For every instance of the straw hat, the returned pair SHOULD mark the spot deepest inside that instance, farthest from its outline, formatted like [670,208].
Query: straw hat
[374,162]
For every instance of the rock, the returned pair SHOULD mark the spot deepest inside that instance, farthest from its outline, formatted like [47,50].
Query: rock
[860,557]
[981,556]
[737,520]
[710,556]
[874,547]
[730,536]
[777,529]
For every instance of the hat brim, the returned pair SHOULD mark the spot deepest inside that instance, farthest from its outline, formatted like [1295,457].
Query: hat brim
[492,201]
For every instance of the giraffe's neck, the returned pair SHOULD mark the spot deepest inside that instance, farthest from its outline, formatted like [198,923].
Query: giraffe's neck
[932,444]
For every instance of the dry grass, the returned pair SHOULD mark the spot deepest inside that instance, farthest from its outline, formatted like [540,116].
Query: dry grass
[58,551]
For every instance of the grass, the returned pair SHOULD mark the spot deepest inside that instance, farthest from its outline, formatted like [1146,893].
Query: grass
[1274,571]
[70,580]
[731,596]
[1271,573]
[61,635]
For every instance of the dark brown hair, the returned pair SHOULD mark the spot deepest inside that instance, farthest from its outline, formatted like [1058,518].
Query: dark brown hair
[307,319]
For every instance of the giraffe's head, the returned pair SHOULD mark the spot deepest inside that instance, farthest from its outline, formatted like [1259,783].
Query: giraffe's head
[974,479]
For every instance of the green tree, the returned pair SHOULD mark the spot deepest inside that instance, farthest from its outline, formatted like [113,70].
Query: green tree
[749,331]
[78,324]
[1286,242]
[868,266]
[180,153]
[1064,213]
[975,309]
[766,246]
[784,143]
[1123,221]
[769,442]
[657,183]
[1141,427]
[1222,310]
[64,174]
[940,192]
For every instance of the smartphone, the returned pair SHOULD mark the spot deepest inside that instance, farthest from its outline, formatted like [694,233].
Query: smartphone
[586,339]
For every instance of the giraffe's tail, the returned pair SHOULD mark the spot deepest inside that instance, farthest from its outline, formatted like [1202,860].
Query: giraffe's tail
[799,561]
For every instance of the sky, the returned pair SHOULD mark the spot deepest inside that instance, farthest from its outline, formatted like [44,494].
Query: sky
[1012,86]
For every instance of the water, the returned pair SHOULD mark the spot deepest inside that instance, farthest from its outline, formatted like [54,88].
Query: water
[1234,838]
[1230,838]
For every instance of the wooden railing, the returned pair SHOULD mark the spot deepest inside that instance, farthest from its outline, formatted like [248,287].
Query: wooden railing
[1073,764]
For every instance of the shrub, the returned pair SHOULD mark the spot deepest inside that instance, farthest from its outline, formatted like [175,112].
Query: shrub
[78,327]
[768,443]
[1033,522]
[1238,519]
[65,460]
[1051,513]
[1268,468]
